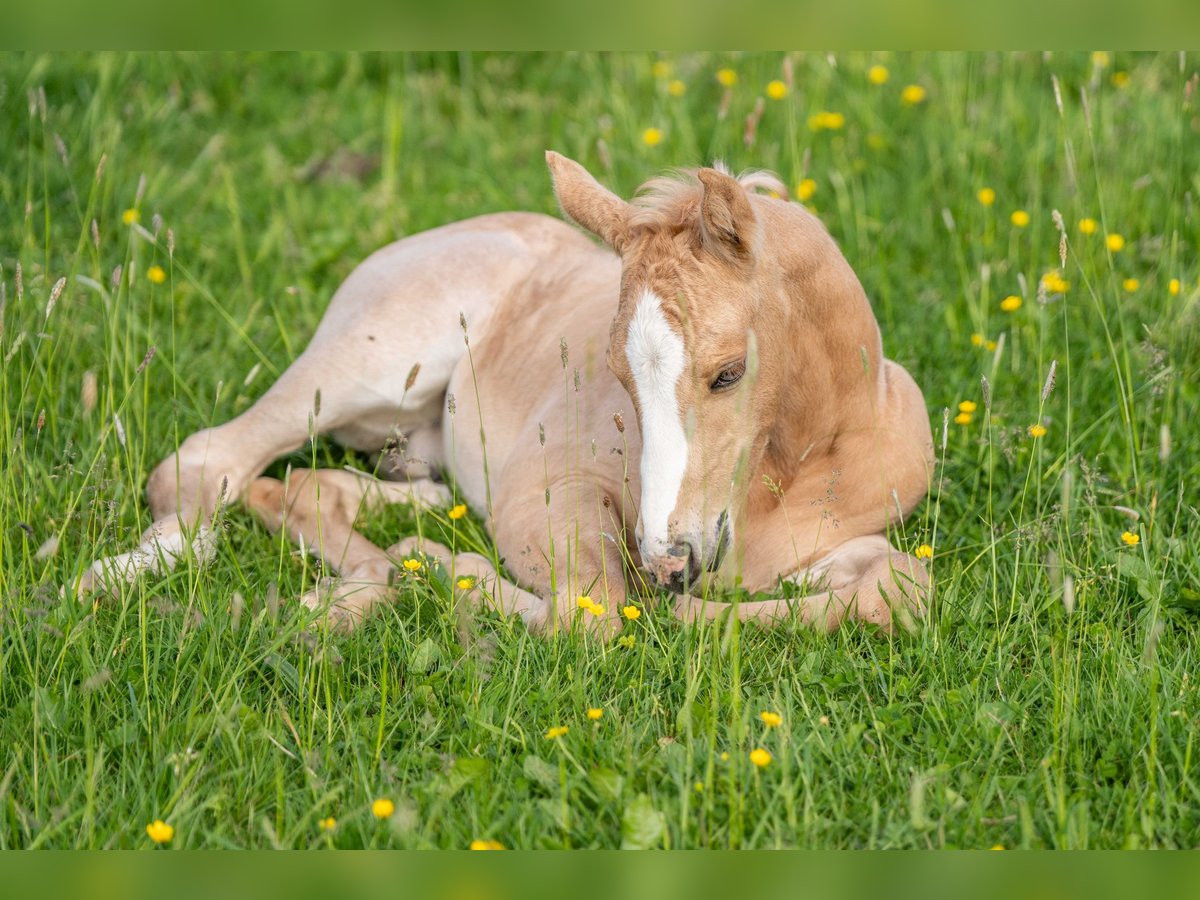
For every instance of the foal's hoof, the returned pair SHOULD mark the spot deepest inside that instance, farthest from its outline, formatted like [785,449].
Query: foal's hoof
[414,547]
[343,606]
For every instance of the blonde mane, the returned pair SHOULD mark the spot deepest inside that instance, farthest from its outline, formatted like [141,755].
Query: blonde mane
[672,201]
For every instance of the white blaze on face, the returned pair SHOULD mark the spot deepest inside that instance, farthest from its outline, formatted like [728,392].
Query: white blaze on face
[655,356]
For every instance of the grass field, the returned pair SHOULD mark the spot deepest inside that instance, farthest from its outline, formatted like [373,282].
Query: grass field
[1050,698]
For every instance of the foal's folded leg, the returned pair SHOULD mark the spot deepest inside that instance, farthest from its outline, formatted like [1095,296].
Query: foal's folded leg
[865,578]
[319,508]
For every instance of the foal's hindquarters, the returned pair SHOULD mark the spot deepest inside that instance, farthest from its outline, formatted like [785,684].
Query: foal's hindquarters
[401,309]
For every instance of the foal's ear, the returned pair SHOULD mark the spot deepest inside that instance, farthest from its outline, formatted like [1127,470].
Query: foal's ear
[726,219]
[584,200]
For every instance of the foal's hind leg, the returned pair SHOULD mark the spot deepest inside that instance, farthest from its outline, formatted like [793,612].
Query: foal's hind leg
[319,509]
[864,578]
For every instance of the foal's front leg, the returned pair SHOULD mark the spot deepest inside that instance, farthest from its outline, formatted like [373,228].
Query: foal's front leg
[319,508]
[865,578]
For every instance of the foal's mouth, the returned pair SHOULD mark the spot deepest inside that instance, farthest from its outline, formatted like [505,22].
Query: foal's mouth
[683,581]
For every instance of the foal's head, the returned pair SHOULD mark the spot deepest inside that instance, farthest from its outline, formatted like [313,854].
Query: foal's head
[696,342]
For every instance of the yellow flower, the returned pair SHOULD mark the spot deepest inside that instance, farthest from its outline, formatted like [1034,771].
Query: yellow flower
[676,88]
[585,602]
[724,756]
[698,787]
[877,74]
[457,512]
[770,719]
[465,583]
[327,824]
[652,137]
[826,120]
[1055,283]
[760,757]
[923,552]
[661,69]
[912,94]
[595,713]
[777,90]
[977,339]
[383,808]
[1131,285]
[160,832]
[963,418]
[876,141]
[805,190]
[986,196]
[1130,539]
[1119,79]
[989,346]
[1115,242]
[1088,226]
[1019,217]
[130,217]
[1173,287]
[412,564]
[1099,59]
[596,609]
[553,734]
[1011,303]
[1037,431]
[156,274]
[486,845]
[727,77]
[631,612]
[967,406]
[996,847]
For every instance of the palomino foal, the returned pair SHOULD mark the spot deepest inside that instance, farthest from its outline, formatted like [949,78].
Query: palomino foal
[774,442]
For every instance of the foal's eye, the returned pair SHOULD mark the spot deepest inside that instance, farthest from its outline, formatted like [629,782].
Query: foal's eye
[729,377]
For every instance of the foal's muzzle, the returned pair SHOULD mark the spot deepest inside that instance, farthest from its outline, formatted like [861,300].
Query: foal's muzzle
[680,567]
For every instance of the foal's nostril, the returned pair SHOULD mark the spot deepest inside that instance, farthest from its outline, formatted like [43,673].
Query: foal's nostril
[678,550]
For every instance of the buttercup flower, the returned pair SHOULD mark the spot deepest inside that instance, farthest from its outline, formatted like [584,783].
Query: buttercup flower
[760,757]
[771,719]
[595,713]
[465,583]
[1119,79]
[727,77]
[1011,303]
[383,808]
[160,832]
[877,75]
[777,90]
[1088,226]
[977,339]
[661,69]
[1130,539]
[912,94]
[553,734]
[1055,283]
[676,88]
[1037,431]
[652,137]
[412,565]
[1100,59]
[1115,242]
[1131,285]
[805,190]
[156,274]
[923,552]
[990,346]
[826,121]
[1173,287]
[457,512]
[130,216]
[1019,217]
[486,845]
[967,406]
[963,418]
[631,612]
[986,196]
[327,824]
